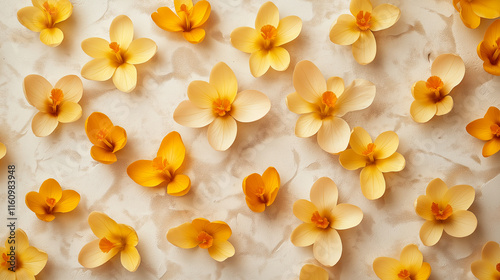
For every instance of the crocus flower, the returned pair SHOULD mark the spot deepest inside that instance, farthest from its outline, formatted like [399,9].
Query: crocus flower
[313,272]
[51,199]
[264,43]
[409,267]
[117,59]
[55,104]
[106,137]
[112,239]
[43,17]
[164,167]
[188,20]
[375,158]
[26,261]
[445,209]
[3,150]
[356,29]
[487,129]
[488,268]
[322,104]
[260,191]
[432,96]
[322,218]
[204,234]
[471,11]
[489,49]
[219,105]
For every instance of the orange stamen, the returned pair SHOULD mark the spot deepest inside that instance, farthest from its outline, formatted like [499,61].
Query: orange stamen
[443,214]
[161,165]
[51,202]
[404,274]
[205,239]
[57,97]
[269,33]
[5,259]
[498,267]
[363,20]
[369,149]
[260,194]
[435,84]
[101,136]
[51,11]
[221,107]
[187,22]
[105,245]
[321,222]
[495,129]
[115,47]
[329,99]
[496,54]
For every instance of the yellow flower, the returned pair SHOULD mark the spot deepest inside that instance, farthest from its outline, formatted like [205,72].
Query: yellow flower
[261,191]
[375,158]
[322,104]
[113,239]
[489,49]
[356,29]
[3,150]
[26,261]
[409,267]
[117,59]
[107,138]
[51,199]
[56,104]
[487,129]
[488,268]
[445,209]
[322,218]
[188,20]
[264,43]
[163,168]
[204,234]
[219,105]
[313,272]
[432,96]
[471,11]
[43,17]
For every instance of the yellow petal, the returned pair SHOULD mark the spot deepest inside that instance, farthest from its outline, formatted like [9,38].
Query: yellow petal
[272,183]
[308,81]
[259,63]
[22,242]
[305,234]
[3,150]
[313,272]
[333,136]
[221,250]
[72,88]
[436,190]
[144,174]
[421,111]
[461,223]
[179,3]
[431,232]
[268,15]
[36,203]
[218,230]
[298,105]
[33,261]
[328,247]
[43,124]
[411,258]
[246,39]
[351,160]
[394,163]
[372,182]
[50,188]
[345,31]
[460,197]
[420,92]
[37,91]
[179,186]
[99,69]
[387,268]
[51,36]
[486,8]
[130,258]
[121,31]
[64,10]
[365,48]
[184,236]
[384,16]
[102,155]
[288,29]
[103,226]
[91,255]
[336,85]
[357,6]
[346,216]
[357,96]
[359,140]
[324,194]
[423,207]
[125,77]
[469,18]
[200,13]
[46,217]
[222,133]
[450,68]
[424,272]
[444,106]
[491,252]
[222,78]
[484,270]
[304,209]
[386,144]
[68,202]
[308,124]
[250,105]
[480,129]
[202,94]
[194,36]
[140,51]
[491,147]
[32,18]
[279,58]
[128,235]
[166,19]
[69,112]
[188,114]
[118,138]
[172,149]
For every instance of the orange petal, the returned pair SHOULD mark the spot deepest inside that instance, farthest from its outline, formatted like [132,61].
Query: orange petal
[64,10]
[36,203]
[372,182]
[167,20]
[95,122]
[184,236]
[344,31]
[252,185]
[140,51]
[221,250]
[103,226]
[224,81]
[144,174]
[46,217]
[268,15]
[469,18]
[250,105]
[118,138]
[259,63]
[43,124]
[218,230]
[179,186]
[179,3]
[102,155]
[32,18]
[246,39]
[486,9]
[69,112]
[125,77]
[68,202]
[130,258]
[288,29]
[194,36]
[121,31]
[431,232]
[51,36]
[172,149]
[50,188]
[493,115]
[37,91]
[200,13]
[190,115]
[480,129]
[271,179]
[365,48]
[491,147]
[222,133]
[328,247]
[460,224]
[91,255]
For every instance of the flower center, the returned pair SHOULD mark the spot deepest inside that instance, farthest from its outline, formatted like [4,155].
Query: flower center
[329,98]
[260,194]
[162,165]
[496,54]
[115,48]
[269,33]
[363,20]
[435,84]
[321,222]
[105,245]
[495,129]
[441,214]
[369,150]
[101,136]
[498,267]
[184,12]
[205,239]
[404,274]
[51,11]
[51,202]
[221,107]
[57,96]
[5,259]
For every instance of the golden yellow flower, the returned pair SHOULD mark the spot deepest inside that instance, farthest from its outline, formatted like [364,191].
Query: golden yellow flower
[313,272]
[432,97]
[489,49]
[322,218]
[43,17]
[3,150]
[322,104]
[22,263]
[445,209]
[487,129]
[375,158]
[204,234]
[117,58]
[409,267]
[356,29]
[51,199]
[471,11]
[488,268]
[113,239]
[106,137]
[164,167]
[56,104]
[219,105]
[260,191]
[188,20]
[264,43]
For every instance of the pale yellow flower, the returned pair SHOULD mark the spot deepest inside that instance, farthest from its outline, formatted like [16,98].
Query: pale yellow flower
[489,49]
[313,272]
[488,268]
[471,11]
[409,267]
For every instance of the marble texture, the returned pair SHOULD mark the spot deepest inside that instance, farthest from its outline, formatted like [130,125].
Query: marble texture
[440,148]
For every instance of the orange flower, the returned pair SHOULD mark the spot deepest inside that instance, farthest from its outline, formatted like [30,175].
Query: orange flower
[188,20]
[261,191]
[163,168]
[487,129]
[107,138]
[313,272]
[488,268]
[471,11]
[51,199]
[489,49]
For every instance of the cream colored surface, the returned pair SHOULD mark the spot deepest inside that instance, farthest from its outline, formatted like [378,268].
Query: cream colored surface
[440,148]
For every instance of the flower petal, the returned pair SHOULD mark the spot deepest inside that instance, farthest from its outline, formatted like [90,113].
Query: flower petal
[96,47]
[140,51]
[118,138]
[357,6]
[250,105]
[387,268]
[486,8]
[144,174]
[130,258]
[359,140]
[484,270]
[200,13]
[221,250]
[188,114]
[268,15]
[480,129]
[102,225]
[313,272]
[222,133]
[351,160]
[167,20]
[179,186]
[490,148]
[308,124]
[172,149]
[64,10]
[3,150]
[95,122]
[469,18]
[288,29]
[386,144]
[411,258]
[365,48]
[305,235]
[125,77]
[121,31]
[424,272]
[384,16]
[202,94]
[421,92]
[251,185]
[246,39]
[298,105]
[219,230]
[394,163]
[422,111]
[444,106]
[333,136]
[357,96]
[346,216]
[344,31]
[493,115]
[259,63]
[50,188]
[450,68]
[372,182]
[324,194]
[33,261]
[279,58]
[99,69]
[32,18]
[68,202]
[37,91]
[69,112]
[272,183]
[184,236]
[51,36]
[459,197]
[43,124]
[36,203]
[308,81]
[461,223]
[194,36]
[178,4]
[335,85]
[431,232]
[423,207]
[224,81]
[72,88]
[328,247]
[102,155]
[436,190]
[304,209]
[22,242]
[491,252]
[91,255]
